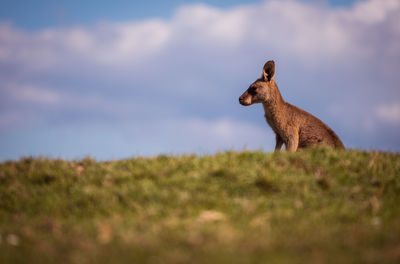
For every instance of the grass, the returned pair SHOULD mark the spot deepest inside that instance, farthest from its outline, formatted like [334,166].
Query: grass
[315,206]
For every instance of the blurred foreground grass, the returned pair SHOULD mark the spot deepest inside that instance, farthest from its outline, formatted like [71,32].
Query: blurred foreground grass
[315,206]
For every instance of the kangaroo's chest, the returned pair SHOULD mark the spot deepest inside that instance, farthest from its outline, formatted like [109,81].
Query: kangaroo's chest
[275,122]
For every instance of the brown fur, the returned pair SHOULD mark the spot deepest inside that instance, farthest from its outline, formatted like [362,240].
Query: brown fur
[294,127]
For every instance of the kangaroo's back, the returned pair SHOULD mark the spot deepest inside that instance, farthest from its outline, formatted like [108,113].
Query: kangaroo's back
[312,131]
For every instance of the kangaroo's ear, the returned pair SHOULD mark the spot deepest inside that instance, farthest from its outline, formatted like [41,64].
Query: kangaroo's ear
[268,70]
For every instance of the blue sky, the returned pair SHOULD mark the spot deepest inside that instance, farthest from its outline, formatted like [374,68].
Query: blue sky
[143,78]
[33,15]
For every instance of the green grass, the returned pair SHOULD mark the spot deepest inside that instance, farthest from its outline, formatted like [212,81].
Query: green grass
[315,206]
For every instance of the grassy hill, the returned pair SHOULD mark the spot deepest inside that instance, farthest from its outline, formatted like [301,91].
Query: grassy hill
[316,206]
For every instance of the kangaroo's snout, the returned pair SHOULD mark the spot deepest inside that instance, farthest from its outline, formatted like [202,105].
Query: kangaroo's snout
[244,99]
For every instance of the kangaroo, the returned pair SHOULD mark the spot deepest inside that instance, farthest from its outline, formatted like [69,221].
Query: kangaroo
[294,127]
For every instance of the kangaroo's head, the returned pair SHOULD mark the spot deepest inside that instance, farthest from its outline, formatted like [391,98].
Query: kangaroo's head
[262,89]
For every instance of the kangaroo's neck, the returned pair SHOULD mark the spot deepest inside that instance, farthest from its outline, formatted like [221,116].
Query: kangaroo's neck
[274,108]
[274,103]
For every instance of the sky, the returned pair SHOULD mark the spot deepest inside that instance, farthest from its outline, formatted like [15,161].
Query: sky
[123,79]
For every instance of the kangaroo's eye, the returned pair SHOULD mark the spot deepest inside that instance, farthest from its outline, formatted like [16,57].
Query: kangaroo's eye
[252,90]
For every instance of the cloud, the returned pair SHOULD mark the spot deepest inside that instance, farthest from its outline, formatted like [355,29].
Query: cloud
[182,76]
[300,28]
[389,113]
[375,11]
[31,94]
[201,135]
[173,136]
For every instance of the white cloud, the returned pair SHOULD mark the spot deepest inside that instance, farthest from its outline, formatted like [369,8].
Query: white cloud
[225,131]
[129,41]
[304,30]
[104,43]
[373,11]
[205,25]
[201,135]
[10,119]
[389,113]
[32,94]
